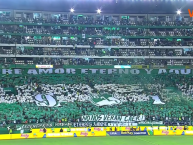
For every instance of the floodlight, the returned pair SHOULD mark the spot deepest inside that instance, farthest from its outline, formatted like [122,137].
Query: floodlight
[71,10]
[179,12]
[98,11]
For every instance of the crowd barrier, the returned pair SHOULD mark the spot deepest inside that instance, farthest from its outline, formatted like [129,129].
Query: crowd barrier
[52,135]
[101,131]
[172,132]
[21,136]
[126,133]
[57,130]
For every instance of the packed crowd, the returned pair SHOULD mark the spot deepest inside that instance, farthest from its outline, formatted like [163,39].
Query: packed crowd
[88,56]
[78,35]
[101,52]
[92,42]
[81,94]
[6,62]
[89,20]
[92,31]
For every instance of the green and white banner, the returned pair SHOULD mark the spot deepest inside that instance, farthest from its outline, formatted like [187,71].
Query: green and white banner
[98,99]
[113,118]
[96,71]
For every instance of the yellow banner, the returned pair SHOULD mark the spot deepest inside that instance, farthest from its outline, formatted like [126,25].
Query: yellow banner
[44,66]
[95,129]
[137,66]
[167,132]
[69,134]
[5,136]
[21,136]
[52,135]
[76,134]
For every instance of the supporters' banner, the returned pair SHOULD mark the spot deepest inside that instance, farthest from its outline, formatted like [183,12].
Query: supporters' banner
[95,124]
[82,124]
[115,118]
[126,133]
[58,125]
[73,124]
[36,125]
[97,99]
[151,122]
[19,71]
[122,124]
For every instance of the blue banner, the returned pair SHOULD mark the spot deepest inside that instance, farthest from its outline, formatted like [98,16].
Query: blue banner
[126,133]
[114,133]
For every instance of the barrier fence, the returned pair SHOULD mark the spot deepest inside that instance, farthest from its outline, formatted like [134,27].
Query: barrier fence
[101,131]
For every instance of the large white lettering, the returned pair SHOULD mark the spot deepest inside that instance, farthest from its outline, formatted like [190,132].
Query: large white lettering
[32,71]
[125,71]
[161,71]
[59,71]
[5,71]
[102,71]
[110,71]
[93,71]
[84,71]
[45,71]
[185,71]
[148,71]
[174,71]
[112,118]
[134,71]
[18,71]
[70,70]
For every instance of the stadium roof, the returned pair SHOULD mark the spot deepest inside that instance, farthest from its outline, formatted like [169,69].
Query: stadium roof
[107,6]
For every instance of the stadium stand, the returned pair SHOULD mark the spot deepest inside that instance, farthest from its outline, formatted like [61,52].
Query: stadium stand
[80,95]
[83,41]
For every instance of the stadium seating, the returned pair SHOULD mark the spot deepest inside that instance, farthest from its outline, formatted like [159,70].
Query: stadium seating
[81,42]
[36,97]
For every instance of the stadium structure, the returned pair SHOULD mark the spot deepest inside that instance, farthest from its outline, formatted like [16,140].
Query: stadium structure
[102,70]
